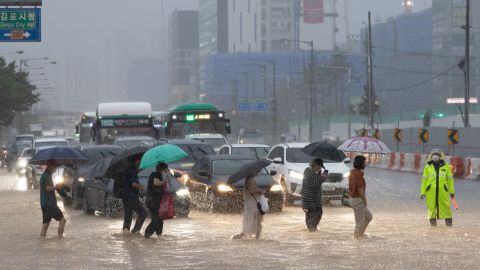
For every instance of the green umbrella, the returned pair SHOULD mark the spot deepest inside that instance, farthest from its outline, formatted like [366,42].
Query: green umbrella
[162,153]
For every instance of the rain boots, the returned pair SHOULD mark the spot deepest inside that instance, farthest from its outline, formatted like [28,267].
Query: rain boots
[448,222]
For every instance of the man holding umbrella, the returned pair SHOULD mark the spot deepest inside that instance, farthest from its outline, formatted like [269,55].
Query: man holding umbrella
[48,201]
[312,193]
[131,203]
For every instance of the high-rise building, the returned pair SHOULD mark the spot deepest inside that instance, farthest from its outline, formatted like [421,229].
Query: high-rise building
[232,26]
[449,47]
[183,54]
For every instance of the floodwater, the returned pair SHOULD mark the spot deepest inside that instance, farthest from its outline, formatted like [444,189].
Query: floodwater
[399,236]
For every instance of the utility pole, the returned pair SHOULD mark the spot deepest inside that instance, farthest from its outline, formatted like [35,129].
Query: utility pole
[275,101]
[370,74]
[467,63]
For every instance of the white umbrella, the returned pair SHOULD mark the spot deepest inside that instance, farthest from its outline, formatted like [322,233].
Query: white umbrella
[364,145]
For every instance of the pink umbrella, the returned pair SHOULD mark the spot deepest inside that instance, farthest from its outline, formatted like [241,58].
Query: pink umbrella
[364,145]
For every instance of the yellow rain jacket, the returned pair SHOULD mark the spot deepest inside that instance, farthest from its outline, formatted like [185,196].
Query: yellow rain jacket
[437,185]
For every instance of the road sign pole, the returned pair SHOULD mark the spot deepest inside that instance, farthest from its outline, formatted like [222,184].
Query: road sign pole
[398,142]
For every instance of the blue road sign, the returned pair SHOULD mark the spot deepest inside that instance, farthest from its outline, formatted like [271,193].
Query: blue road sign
[20,25]
[252,107]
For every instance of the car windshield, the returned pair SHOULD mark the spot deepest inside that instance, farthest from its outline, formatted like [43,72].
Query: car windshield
[26,153]
[21,146]
[255,152]
[134,143]
[95,154]
[296,155]
[214,142]
[195,151]
[51,144]
[228,166]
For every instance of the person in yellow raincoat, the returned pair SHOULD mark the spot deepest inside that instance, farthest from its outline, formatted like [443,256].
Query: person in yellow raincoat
[438,187]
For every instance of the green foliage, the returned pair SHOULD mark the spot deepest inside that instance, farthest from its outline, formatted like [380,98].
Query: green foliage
[16,93]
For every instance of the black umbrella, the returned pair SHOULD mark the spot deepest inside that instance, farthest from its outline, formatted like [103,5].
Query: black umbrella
[63,156]
[324,150]
[248,170]
[120,163]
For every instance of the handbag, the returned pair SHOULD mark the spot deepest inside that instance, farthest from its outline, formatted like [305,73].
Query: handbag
[167,204]
[261,204]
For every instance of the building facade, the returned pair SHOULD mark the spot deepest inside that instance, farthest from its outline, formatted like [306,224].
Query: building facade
[183,54]
[449,45]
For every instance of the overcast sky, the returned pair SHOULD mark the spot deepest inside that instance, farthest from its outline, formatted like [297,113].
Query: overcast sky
[72,27]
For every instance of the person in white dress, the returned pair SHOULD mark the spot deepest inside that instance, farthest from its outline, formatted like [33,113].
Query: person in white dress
[252,218]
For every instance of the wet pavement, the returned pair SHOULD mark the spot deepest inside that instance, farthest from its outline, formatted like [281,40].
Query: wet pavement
[399,236]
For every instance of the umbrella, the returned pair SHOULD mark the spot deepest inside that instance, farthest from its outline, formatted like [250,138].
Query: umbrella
[248,169]
[364,145]
[162,153]
[324,150]
[121,162]
[63,156]
[100,168]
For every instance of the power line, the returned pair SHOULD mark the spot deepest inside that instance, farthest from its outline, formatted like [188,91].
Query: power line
[421,82]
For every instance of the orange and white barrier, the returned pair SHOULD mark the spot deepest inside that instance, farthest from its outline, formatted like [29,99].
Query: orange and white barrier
[468,168]
[472,168]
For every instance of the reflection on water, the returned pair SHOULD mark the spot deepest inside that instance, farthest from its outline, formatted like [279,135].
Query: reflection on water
[22,183]
[399,237]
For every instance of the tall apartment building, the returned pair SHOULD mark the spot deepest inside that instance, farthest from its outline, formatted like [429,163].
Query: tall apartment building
[449,47]
[231,26]
[183,54]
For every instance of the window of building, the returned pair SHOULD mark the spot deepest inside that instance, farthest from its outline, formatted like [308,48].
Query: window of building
[255,27]
[241,27]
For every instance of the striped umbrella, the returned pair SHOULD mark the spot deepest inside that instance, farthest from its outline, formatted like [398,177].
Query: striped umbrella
[364,145]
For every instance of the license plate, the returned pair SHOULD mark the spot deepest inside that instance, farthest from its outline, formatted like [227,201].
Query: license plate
[328,188]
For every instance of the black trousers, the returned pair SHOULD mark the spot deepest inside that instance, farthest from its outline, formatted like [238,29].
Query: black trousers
[131,205]
[312,218]
[156,224]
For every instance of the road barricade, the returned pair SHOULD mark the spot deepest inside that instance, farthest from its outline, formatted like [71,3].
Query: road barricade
[472,169]
[456,164]
[391,161]
[408,163]
[401,161]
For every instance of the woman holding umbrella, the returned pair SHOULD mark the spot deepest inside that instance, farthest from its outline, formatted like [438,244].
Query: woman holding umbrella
[155,189]
[252,218]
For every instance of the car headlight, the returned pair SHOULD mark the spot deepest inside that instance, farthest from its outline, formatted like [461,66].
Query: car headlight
[182,193]
[81,179]
[295,174]
[276,188]
[22,163]
[224,188]
[346,175]
[58,179]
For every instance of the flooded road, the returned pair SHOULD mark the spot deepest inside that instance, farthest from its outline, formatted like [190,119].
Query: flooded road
[399,236]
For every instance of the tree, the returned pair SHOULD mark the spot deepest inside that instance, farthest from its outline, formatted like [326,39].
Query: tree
[16,93]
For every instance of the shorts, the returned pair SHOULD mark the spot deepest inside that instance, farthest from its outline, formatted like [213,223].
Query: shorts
[51,212]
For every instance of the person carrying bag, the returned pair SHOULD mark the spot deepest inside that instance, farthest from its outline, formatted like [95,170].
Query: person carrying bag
[157,186]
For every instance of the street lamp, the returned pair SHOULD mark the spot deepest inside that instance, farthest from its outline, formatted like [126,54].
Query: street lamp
[310,111]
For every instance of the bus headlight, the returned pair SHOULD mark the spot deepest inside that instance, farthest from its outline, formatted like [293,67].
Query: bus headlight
[182,193]
[224,188]
[220,115]
[81,179]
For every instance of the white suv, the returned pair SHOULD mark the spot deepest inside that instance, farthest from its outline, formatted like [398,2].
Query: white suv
[215,140]
[289,161]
